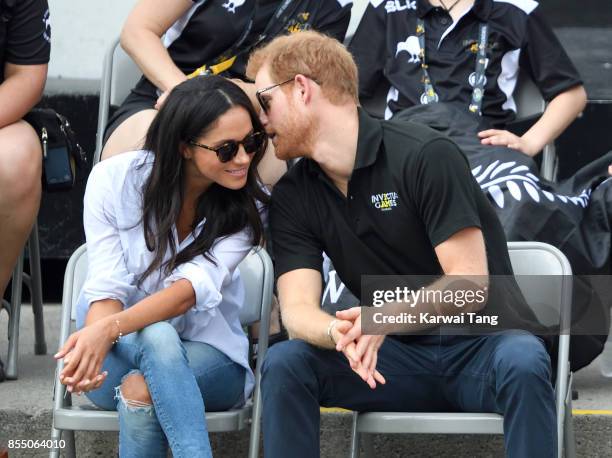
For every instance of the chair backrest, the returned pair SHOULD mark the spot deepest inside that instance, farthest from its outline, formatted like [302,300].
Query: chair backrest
[542,273]
[119,75]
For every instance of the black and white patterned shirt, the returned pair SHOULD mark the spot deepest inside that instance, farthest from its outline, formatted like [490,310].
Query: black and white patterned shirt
[386,49]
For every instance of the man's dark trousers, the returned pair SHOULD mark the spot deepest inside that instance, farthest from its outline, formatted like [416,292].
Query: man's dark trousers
[505,373]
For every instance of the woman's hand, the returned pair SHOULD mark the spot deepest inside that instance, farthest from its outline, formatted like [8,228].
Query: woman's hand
[83,354]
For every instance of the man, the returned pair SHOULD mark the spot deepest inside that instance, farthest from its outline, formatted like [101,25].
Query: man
[24,54]
[437,222]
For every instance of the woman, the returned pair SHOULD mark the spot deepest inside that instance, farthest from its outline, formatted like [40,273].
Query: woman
[171,40]
[166,227]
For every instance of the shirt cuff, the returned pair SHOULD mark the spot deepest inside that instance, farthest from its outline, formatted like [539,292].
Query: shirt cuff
[207,293]
[107,287]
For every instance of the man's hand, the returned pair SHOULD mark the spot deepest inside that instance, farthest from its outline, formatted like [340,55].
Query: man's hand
[361,351]
[505,138]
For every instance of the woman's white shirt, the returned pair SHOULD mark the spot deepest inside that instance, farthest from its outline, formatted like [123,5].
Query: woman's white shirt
[118,255]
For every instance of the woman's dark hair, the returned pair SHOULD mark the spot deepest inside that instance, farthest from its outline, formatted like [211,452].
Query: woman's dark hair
[192,109]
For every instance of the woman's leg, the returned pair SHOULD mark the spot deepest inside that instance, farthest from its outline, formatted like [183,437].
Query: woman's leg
[221,380]
[177,403]
[130,134]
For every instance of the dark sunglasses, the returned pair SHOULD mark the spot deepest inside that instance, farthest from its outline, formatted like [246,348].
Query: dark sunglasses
[263,102]
[227,151]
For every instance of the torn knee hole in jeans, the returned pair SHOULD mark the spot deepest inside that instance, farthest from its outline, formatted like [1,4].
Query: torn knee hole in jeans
[133,405]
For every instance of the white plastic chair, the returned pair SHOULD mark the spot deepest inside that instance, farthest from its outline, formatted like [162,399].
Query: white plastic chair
[257,275]
[533,259]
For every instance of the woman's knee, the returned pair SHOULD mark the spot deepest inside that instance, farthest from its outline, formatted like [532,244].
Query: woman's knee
[161,341]
[134,391]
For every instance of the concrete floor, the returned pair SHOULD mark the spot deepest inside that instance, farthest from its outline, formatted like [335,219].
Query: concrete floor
[25,413]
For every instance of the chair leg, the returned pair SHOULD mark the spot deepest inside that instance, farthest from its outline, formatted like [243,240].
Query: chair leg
[255,424]
[15,306]
[569,440]
[40,345]
[354,437]
[56,436]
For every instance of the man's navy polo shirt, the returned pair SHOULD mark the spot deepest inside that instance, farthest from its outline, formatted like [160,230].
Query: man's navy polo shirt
[410,190]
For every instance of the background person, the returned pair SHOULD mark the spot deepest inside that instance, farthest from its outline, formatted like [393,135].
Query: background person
[25,36]
[172,39]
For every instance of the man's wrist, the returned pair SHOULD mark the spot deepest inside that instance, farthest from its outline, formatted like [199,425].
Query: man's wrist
[330,330]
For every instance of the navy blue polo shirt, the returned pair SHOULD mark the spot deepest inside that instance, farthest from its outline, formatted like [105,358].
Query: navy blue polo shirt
[386,49]
[411,189]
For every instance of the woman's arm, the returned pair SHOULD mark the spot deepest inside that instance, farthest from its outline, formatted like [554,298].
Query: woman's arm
[141,39]
[87,348]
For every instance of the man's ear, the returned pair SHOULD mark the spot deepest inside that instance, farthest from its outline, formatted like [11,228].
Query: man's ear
[304,87]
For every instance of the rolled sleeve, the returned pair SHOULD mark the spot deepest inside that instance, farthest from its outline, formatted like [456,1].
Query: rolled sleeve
[208,278]
[107,274]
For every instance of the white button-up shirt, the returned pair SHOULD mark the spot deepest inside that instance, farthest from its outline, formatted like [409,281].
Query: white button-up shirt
[118,256]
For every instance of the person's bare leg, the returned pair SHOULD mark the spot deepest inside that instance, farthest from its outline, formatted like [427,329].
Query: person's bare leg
[20,188]
[130,134]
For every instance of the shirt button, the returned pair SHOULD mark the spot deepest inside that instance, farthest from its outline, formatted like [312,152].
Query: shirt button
[352,197]
[444,21]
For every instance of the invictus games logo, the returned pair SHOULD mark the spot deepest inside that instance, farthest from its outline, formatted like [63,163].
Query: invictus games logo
[385,201]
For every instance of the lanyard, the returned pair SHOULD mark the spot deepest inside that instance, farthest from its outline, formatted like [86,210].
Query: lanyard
[477,79]
[226,60]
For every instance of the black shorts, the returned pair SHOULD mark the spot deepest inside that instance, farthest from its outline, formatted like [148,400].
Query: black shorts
[142,97]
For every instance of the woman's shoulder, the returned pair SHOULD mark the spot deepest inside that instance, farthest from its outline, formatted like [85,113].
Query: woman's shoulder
[114,173]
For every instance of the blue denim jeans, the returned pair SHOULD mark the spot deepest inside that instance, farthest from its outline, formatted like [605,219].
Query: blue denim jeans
[503,373]
[182,378]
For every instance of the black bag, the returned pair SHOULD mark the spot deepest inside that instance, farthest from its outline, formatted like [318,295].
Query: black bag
[62,154]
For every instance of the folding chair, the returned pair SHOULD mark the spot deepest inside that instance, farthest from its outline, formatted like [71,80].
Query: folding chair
[34,283]
[119,75]
[258,278]
[528,259]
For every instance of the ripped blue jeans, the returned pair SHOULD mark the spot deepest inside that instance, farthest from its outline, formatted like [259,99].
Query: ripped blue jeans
[182,377]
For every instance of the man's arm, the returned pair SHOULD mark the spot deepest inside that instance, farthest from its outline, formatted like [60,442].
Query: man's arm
[299,293]
[21,89]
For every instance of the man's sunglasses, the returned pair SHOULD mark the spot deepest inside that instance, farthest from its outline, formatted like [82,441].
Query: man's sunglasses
[227,151]
[263,101]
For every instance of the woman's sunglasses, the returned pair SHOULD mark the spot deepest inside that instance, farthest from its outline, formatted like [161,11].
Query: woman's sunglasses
[227,151]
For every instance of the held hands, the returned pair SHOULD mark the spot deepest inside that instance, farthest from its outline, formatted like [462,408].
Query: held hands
[83,354]
[360,350]
[497,137]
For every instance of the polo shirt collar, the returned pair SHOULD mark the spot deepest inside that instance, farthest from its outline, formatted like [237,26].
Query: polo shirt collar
[368,140]
[481,8]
